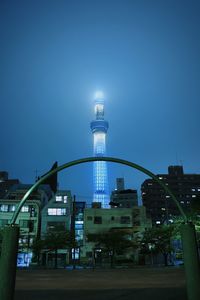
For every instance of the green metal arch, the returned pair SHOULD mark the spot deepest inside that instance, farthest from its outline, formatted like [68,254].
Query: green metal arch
[92,159]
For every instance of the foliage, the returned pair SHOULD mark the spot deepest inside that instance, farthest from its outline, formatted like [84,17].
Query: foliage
[112,241]
[158,240]
[52,241]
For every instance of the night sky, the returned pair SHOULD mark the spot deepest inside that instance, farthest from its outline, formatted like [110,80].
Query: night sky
[144,56]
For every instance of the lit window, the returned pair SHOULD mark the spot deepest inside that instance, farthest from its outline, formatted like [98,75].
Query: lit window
[65,199]
[149,183]
[56,211]
[79,222]
[4,208]
[163,208]
[167,196]
[58,198]
[171,221]
[182,202]
[12,207]
[193,190]
[193,196]
[160,177]
[198,190]
[157,222]
[24,208]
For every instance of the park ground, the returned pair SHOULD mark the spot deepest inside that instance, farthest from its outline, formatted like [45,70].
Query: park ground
[139,283]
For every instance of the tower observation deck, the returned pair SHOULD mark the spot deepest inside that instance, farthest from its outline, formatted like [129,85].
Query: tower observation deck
[99,129]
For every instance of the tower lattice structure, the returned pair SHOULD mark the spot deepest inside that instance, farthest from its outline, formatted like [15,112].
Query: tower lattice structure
[99,129]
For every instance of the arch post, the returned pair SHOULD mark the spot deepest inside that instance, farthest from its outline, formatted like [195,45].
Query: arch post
[8,262]
[191,260]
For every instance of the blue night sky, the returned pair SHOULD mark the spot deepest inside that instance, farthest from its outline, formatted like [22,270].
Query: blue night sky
[144,56]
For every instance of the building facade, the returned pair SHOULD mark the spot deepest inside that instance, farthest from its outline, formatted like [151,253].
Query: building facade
[6,183]
[123,198]
[97,220]
[160,207]
[29,218]
[56,217]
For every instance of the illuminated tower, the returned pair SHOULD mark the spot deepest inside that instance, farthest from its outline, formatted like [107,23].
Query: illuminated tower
[99,129]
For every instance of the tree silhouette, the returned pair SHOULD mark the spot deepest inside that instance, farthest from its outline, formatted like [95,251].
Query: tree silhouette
[112,242]
[158,240]
[52,241]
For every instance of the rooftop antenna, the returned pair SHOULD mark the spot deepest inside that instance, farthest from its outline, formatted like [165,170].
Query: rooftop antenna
[36,175]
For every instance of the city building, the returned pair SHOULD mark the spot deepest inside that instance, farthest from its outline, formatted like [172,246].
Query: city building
[56,214]
[56,217]
[98,220]
[123,198]
[29,218]
[79,221]
[99,129]
[77,228]
[160,207]
[6,183]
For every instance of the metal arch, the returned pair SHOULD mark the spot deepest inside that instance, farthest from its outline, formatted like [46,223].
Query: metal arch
[91,159]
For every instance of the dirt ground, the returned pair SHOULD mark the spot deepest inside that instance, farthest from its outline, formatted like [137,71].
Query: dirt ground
[139,283]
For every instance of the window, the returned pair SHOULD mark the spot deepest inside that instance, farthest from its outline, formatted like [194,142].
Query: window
[97,220]
[24,208]
[65,199]
[125,220]
[56,211]
[112,218]
[24,223]
[12,207]
[89,218]
[58,198]
[4,207]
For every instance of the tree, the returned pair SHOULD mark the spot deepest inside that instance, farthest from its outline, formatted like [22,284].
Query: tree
[158,240]
[111,242]
[57,240]
[37,247]
[52,241]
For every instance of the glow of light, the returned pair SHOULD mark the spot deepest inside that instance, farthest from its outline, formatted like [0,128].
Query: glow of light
[98,95]
[98,108]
